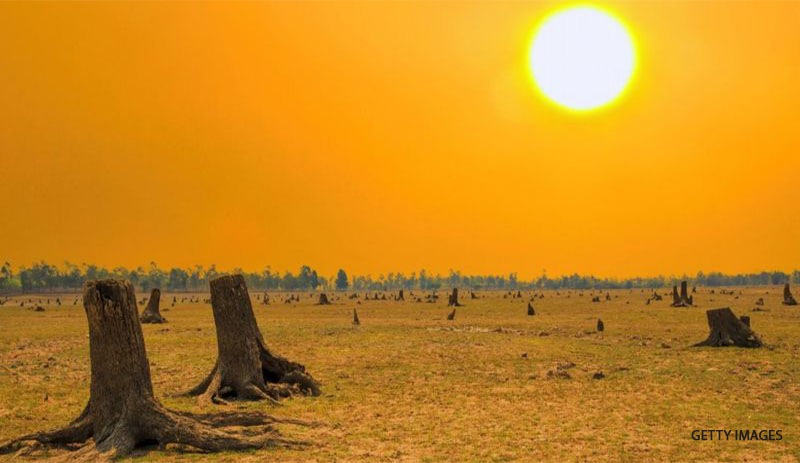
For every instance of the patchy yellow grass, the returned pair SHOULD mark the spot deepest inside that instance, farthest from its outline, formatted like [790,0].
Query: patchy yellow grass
[407,385]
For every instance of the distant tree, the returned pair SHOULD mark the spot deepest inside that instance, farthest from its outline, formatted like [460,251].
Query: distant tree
[341,280]
[178,279]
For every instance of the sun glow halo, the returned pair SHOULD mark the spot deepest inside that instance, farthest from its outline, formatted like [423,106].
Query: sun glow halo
[582,58]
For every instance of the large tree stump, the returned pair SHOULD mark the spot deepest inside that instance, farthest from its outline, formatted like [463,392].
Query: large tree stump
[788,299]
[245,367]
[727,330]
[122,411]
[151,313]
[682,300]
[530,309]
[452,299]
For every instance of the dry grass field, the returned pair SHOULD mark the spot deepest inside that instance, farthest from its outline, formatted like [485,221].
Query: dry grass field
[408,385]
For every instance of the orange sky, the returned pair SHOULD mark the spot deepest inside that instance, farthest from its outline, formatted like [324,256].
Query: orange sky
[392,136]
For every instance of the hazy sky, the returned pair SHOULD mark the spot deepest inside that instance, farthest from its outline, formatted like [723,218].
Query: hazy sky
[391,136]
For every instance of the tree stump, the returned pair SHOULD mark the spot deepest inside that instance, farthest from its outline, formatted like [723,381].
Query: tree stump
[682,300]
[452,315]
[400,296]
[356,321]
[245,368]
[452,299]
[151,313]
[530,310]
[788,299]
[323,299]
[122,411]
[600,325]
[727,330]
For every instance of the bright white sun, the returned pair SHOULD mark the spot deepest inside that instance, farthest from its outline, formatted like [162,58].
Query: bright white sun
[582,58]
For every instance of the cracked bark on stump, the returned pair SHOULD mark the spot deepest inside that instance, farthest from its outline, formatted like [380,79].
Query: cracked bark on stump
[151,313]
[727,330]
[122,412]
[245,368]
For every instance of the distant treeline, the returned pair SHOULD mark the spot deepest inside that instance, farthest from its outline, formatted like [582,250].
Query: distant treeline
[43,277]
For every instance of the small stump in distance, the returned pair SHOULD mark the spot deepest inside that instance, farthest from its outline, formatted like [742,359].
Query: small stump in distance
[452,315]
[683,299]
[323,299]
[531,312]
[151,313]
[452,299]
[727,330]
[356,321]
[788,299]
[600,325]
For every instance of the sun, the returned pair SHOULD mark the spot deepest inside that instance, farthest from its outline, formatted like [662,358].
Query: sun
[582,58]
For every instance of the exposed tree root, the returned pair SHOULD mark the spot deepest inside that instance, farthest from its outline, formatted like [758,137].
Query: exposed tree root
[245,367]
[156,425]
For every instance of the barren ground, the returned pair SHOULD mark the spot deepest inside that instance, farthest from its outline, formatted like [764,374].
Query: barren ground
[408,385]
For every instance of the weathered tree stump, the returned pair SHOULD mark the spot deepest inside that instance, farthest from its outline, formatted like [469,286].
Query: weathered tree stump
[323,299]
[727,330]
[400,296]
[122,411]
[245,368]
[788,299]
[452,315]
[356,321]
[682,300]
[530,310]
[151,313]
[452,299]
[600,325]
